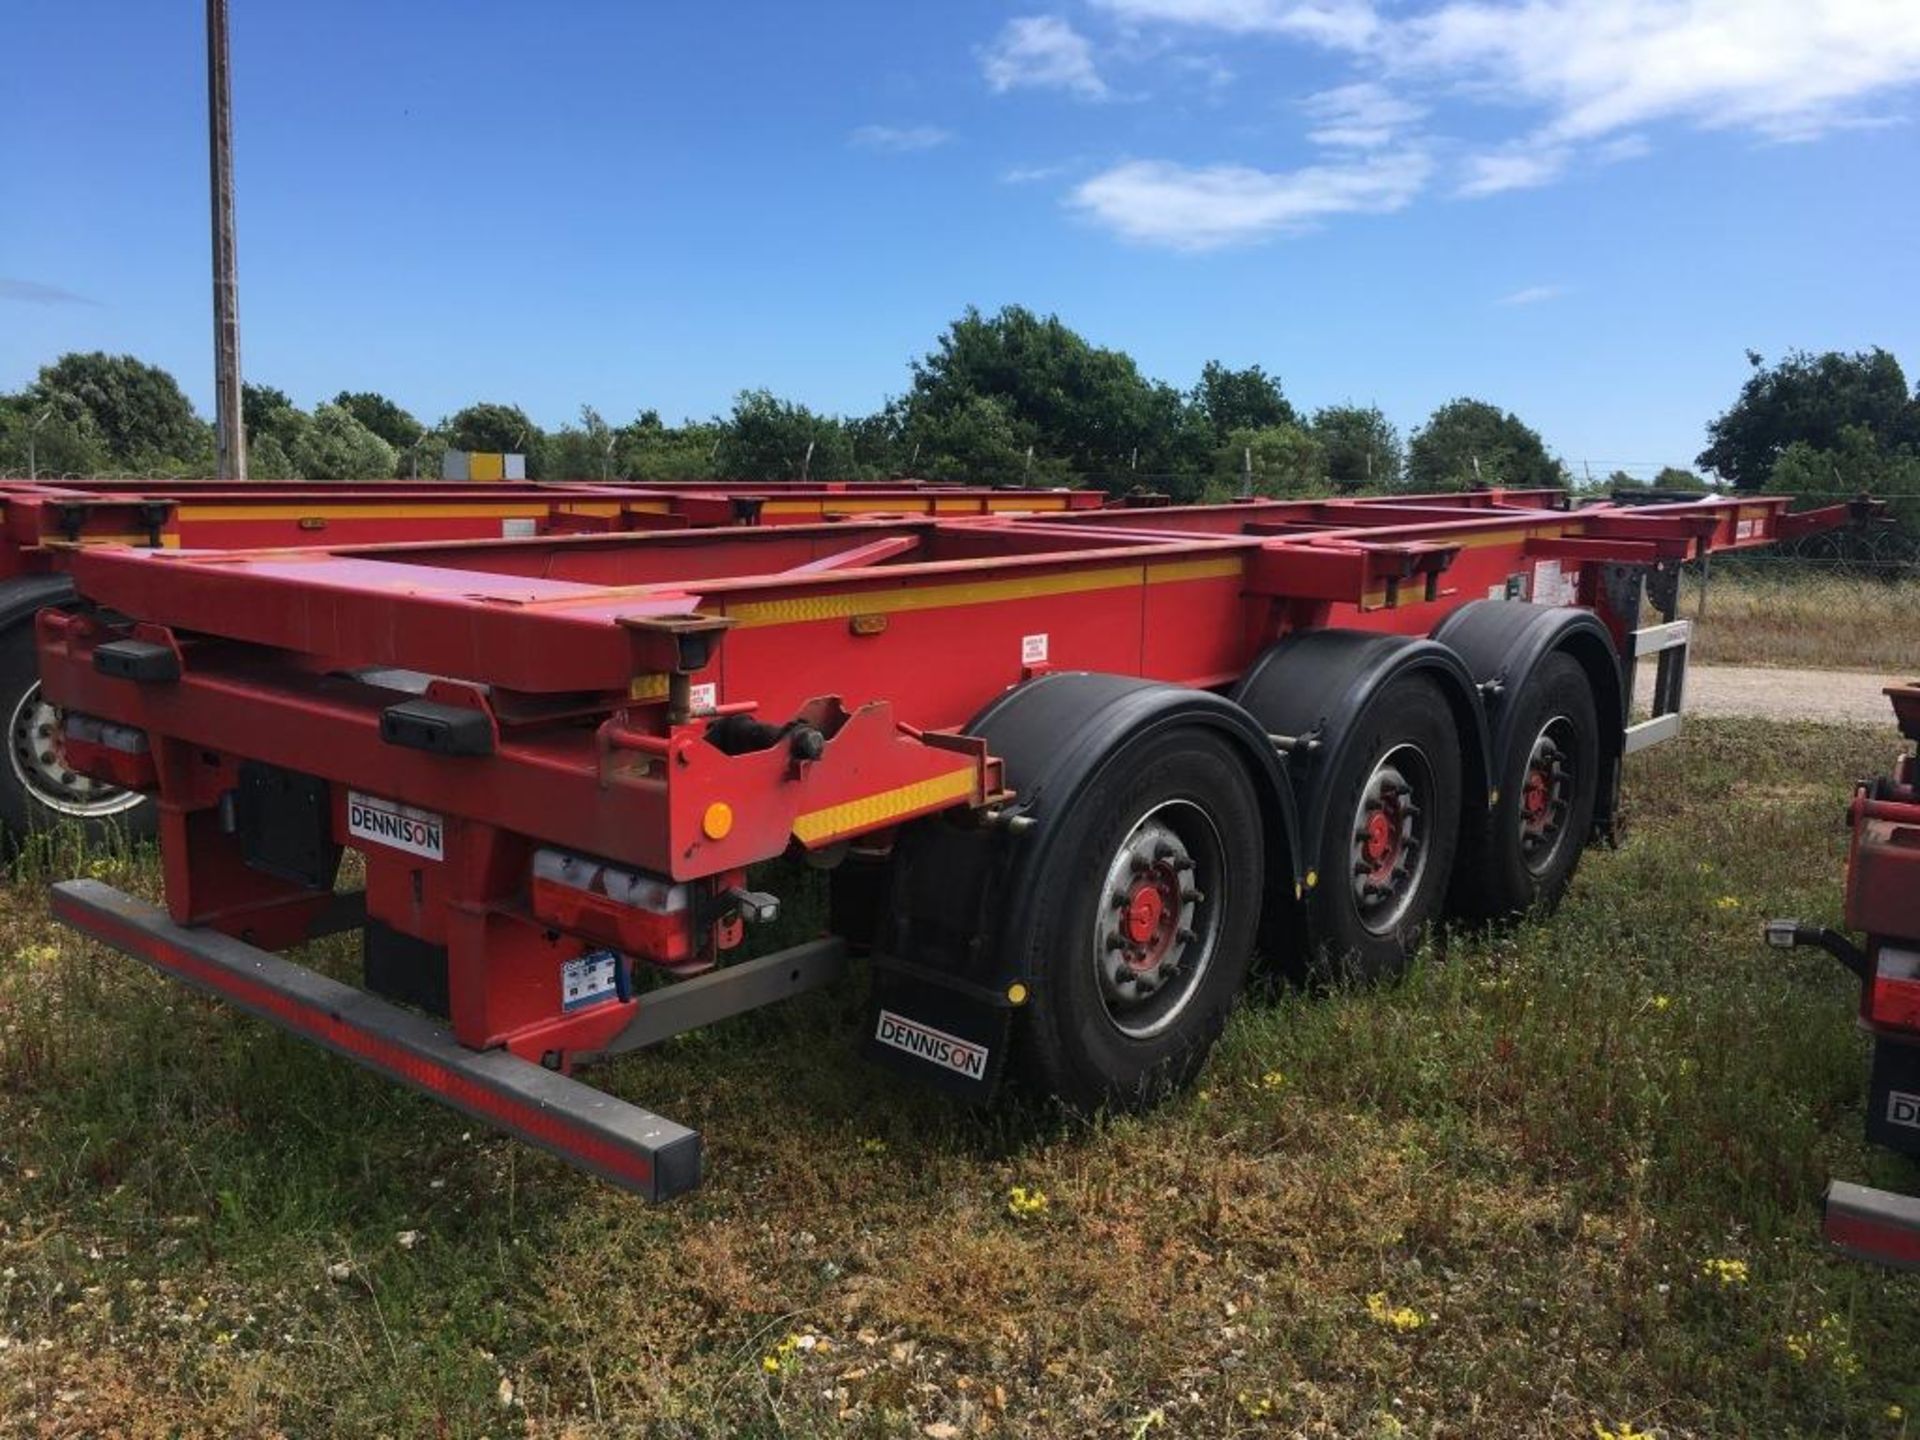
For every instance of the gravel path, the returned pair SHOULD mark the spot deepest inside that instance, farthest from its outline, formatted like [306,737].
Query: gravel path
[1833,697]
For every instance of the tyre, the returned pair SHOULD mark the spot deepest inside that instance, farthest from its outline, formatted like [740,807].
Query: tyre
[1524,854]
[38,793]
[1150,897]
[1389,834]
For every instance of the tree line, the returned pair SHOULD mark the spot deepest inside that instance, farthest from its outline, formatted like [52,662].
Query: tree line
[1008,398]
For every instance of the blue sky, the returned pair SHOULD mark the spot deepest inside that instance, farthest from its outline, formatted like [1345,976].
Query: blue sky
[1584,210]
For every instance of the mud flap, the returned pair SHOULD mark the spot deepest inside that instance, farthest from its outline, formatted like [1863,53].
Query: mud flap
[936,1032]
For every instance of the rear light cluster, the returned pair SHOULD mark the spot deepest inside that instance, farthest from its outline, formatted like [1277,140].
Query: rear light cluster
[629,910]
[1893,999]
[103,750]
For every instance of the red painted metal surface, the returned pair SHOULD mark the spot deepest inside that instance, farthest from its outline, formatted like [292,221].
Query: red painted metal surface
[599,664]
[41,521]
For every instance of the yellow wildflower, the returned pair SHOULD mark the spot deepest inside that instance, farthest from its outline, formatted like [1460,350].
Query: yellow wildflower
[1257,1406]
[1727,902]
[1894,1412]
[1025,1204]
[785,1355]
[1625,1431]
[1272,1080]
[1395,1317]
[1661,1002]
[874,1146]
[1727,1272]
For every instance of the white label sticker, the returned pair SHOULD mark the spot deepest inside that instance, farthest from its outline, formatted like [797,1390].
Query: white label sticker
[704,699]
[936,1047]
[1550,586]
[1033,649]
[521,528]
[401,827]
[1745,529]
[587,979]
[1903,1109]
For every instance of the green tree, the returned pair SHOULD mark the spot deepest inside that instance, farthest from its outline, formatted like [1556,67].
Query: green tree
[275,426]
[647,449]
[584,451]
[1248,399]
[1362,447]
[139,412]
[1468,442]
[1076,402]
[768,438]
[498,429]
[1810,400]
[876,442]
[42,437]
[976,441]
[382,416]
[1286,460]
[335,446]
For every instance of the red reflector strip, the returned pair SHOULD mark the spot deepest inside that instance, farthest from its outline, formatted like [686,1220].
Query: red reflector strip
[1873,1224]
[542,1123]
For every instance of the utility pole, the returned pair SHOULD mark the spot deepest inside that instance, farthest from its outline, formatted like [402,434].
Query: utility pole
[229,427]
[33,434]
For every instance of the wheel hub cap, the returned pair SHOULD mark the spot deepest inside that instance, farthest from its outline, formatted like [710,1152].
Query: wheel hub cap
[1154,933]
[39,758]
[1389,840]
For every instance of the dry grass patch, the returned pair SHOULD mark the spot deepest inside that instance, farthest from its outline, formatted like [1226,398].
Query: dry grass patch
[1805,621]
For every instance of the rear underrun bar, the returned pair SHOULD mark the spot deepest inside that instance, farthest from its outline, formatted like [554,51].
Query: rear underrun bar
[1875,1225]
[618,1141]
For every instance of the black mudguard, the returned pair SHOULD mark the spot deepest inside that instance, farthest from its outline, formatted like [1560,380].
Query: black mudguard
[1501,641]
[1314,686]
[24,596]
[939,963]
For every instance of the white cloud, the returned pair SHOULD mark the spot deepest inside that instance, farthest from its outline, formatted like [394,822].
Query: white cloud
[1348,24]
[1532,295]
[1156,202]
[1030,174]
[1597,71]
[1362,116]
[898,139]
[1042,52]
[1520,167]
[1786,68]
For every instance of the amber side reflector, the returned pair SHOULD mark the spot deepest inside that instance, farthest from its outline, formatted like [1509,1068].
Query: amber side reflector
[867,624]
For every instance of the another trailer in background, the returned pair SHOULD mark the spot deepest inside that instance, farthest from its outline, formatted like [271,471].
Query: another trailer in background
[1883,906]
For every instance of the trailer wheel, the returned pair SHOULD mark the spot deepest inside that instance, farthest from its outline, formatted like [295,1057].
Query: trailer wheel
[1388,840]
[1153,897]
[1525,852]
[37,791]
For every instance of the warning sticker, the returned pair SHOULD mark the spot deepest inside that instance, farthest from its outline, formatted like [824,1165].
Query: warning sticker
[1551,586]
[704,699]
[1033,649]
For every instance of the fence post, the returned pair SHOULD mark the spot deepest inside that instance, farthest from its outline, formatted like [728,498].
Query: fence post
[1706,569]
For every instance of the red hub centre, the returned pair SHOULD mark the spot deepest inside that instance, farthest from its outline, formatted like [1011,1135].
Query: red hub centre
[1143,913]
[1539,793]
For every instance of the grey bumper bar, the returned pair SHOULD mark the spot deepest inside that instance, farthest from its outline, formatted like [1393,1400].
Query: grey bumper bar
[620,1142]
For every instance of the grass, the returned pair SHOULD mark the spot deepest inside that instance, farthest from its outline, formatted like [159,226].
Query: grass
[1481,1202]
[1804,621]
